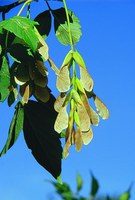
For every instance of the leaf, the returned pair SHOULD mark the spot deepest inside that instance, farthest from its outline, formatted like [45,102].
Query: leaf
[12,96]
[40,135]
[61,27]
[124,196]
[44,21]
[86,79]
[79,182]
[15,128]
[63,79]
[4,79]
[63,190]
[94,186]
[23,28]
[101,108]
[61,122]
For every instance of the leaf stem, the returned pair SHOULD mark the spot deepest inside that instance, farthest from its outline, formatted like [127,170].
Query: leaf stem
[69,27]
[22,8]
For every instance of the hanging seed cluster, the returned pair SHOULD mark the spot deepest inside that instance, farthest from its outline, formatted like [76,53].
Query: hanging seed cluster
[75,92]
[32,80]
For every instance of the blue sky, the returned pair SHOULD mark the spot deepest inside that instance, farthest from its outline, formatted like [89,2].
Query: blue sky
[108,48]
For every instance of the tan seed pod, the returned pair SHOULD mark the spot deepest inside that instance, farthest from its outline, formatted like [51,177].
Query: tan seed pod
[86,79]
[61,121]
[87,136]
[78,139]
[101,108]
[63,80]
[59,101]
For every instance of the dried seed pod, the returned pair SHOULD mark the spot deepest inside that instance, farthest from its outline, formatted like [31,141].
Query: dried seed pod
[101,108]
[40,80]
[41,68]
[42,94]
[87,136]
[21,73]
[59,101]
[63,80]
[86,79]
[61,121]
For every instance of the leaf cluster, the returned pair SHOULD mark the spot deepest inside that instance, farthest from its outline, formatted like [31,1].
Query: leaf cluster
[65,192]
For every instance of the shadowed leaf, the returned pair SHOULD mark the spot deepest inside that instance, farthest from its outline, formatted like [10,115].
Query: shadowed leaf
[94,186]
[15,128]
[79,182]
[40,136]
[44,20]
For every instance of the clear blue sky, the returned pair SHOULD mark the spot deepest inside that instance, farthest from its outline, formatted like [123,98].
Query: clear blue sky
[108,48]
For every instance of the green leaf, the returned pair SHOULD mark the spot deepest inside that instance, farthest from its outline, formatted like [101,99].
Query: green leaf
[4,79]
[79,182]
[44,21]
[61,26]
[12,96]
[63,190]
[15,128]
[125,196]
[94,186]
[23,28]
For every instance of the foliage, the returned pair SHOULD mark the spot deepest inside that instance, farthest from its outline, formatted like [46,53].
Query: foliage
[45,119]
[65,192]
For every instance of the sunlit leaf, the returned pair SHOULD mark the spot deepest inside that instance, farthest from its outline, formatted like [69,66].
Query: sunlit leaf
[87,136]
[63,79]
[61,27]
[79,182]
[86,79]
[40,136]
[23,28]
[101,108]
[4,79]
[15,128]
[59,101]
[61,122]
[44,21]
